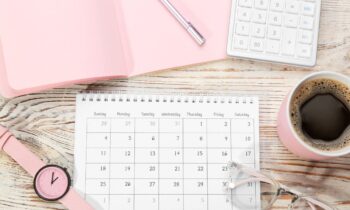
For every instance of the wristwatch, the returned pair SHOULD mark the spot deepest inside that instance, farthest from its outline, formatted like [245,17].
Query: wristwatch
[51,182]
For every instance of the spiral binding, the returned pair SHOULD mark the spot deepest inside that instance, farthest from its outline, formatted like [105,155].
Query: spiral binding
[116,97]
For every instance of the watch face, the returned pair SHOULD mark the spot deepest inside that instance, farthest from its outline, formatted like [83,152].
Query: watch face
[52,183]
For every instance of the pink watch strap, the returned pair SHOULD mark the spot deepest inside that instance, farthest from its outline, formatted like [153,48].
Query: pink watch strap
[73,201]
[30,162]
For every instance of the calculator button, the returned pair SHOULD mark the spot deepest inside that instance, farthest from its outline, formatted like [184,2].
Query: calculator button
[274,32]
[305,37]
[258,30]
[273,46]
[307,22]
[308,8]
[292,6]
[275,18]
[288,42]
[261,4]
[240,42]
[259,16]
[257,44]
[244,14]
[245,3]
[277,5]
[291,20]
[242,28]
[304,51]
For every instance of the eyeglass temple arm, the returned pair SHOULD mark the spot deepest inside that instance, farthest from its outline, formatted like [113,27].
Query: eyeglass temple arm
[317,203]
[311,201]
[312,206]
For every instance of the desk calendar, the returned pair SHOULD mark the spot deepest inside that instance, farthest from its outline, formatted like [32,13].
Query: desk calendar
[148,152]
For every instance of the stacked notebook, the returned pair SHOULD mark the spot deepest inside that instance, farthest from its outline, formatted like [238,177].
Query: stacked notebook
[51,43]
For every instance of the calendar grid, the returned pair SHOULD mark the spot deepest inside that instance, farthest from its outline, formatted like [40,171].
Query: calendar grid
[110,152]
[167,132]
[158,163]
[206,142]
[134,172]
[85,156]
[254,159]
[183,161]
[167,178]
[171,194]
[162,147]
[231,146]
[128,152]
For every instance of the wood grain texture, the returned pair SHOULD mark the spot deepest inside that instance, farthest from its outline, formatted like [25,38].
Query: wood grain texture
[45,121]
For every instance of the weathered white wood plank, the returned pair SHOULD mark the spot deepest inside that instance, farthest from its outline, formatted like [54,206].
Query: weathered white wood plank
[45,121]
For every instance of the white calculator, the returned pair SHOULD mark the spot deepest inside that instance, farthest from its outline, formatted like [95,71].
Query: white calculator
[284,31]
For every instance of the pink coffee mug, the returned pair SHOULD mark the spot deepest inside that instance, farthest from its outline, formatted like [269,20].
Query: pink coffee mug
[287,133]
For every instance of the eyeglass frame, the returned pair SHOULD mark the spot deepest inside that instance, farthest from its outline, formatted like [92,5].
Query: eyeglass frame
[257,176]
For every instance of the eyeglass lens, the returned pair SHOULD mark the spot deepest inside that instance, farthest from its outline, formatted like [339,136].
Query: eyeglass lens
[244,197]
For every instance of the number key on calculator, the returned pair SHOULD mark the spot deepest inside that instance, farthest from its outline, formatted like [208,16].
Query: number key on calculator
[284,31]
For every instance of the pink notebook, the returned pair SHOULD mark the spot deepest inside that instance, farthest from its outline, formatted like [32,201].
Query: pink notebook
[51,43]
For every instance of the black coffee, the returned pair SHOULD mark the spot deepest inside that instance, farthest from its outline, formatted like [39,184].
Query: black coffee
[320,113]
[324,117]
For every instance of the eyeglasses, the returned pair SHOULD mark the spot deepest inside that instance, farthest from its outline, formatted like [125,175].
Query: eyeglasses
[268,188]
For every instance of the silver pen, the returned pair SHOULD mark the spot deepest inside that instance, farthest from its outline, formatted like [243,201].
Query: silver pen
[196,35]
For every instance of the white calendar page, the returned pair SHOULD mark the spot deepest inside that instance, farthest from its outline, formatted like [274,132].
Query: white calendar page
[137,152]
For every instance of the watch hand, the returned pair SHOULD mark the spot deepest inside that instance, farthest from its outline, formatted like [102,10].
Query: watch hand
[53,180]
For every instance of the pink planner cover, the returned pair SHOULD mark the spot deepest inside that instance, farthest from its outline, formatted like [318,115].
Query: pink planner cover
[51,43]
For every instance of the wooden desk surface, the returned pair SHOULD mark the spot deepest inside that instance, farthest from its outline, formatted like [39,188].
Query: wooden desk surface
[45,121]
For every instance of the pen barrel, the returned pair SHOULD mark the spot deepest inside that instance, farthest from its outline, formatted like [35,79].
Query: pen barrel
[175,13]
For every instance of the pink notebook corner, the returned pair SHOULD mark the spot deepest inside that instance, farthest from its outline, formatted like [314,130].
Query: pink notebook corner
[50,43]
